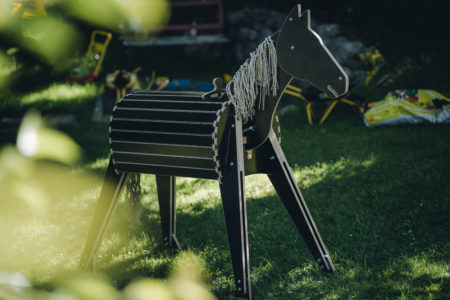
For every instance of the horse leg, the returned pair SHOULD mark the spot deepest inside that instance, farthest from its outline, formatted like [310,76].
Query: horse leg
[112,187]
[166,198]
[232,190]
[284,182]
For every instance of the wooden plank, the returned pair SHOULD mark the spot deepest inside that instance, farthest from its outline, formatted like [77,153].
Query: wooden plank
[165,96]
[171,104]
[168,115]
[174,96]
[165,170]
[164,160]
[154,148]
[167,126]
[162,137]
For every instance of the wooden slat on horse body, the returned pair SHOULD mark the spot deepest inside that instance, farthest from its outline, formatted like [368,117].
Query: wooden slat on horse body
[154,148]
[181,138]
[166,160]
[175,96]
[178,171]
[165,114]
[161,126]
[167,104]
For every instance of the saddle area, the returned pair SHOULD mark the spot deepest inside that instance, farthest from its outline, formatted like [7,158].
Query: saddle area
[174,133]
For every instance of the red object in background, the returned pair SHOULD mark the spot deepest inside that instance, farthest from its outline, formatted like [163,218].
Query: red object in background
[192,22]
[77,76]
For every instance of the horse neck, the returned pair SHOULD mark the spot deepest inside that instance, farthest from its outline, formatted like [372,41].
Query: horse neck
[258,128]
[283,81]
[271,102]
[262,120]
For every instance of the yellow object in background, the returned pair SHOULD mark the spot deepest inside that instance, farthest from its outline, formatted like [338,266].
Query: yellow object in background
[409,106]
[29,8]
[297,92]
[161,82]
[97,49]
[122,80]
[372,60]
[227,77]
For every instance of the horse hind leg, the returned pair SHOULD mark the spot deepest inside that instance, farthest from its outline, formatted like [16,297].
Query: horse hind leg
[284,182]
[167,209]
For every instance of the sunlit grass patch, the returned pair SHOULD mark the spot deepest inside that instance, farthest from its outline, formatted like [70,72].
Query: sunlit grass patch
[47,243]
[99,164]
[63,92]
[57,98]
[343,167]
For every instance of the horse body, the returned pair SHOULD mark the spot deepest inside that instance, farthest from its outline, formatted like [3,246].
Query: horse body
[185,134]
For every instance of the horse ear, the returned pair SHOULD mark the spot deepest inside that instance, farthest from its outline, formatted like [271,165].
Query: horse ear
[305,19]
[295,13]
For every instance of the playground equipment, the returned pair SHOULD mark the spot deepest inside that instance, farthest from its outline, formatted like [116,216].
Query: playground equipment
[223,136]
[176,84]
[92,62]
[372,60]
[29,8]
[122,80]
[314,97]
[192,22]
[160,82]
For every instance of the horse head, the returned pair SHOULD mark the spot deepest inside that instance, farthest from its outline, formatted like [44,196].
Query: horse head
[302,54]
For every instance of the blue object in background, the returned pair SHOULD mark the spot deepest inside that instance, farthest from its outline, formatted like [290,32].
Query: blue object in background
[188,85]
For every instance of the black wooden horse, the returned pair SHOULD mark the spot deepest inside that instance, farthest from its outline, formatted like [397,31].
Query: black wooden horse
[185,134]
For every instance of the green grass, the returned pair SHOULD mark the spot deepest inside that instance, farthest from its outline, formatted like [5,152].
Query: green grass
[379,197]
[54,98]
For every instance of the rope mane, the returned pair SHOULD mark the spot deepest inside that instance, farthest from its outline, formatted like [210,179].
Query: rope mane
[256,78]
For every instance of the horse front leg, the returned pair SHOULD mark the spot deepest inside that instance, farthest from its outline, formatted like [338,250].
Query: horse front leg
[284,182]
[109,196]
[167,208]
[232,189]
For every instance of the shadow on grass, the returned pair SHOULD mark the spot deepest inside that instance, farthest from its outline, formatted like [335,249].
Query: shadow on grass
[379,198]
[376,239]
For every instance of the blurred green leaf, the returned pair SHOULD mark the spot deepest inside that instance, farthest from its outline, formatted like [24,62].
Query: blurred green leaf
[7,67]
[103,13]
[148,289]
[86,287]
[144,14]
[6,8]
[49,37]
[188,265]
[186,280]
[34,140]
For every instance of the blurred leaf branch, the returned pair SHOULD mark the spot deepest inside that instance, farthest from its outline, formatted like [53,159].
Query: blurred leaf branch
[38,187]
[52,34]
[182,284]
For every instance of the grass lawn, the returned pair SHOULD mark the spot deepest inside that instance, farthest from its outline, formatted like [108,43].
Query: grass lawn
[380,198]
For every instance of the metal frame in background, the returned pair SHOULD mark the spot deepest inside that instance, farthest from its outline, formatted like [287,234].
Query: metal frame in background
[183,28]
